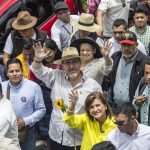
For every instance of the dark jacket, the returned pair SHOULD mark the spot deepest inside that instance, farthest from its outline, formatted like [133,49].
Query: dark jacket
[17,41]
[137,73]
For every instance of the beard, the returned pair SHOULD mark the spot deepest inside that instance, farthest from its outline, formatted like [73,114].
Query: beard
[73,75]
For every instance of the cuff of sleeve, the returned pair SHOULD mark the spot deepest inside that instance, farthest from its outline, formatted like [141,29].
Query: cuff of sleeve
[136,107]
[39,71]
[27,120]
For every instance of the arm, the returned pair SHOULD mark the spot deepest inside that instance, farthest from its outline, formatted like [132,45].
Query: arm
[4,126]
[99,19]
[39,107]
[7,49]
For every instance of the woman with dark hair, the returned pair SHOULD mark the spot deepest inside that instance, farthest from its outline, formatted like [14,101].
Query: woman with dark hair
[96,123]
[54,53]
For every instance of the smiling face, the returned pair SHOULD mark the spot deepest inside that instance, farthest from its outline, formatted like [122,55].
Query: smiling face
[51,54]
[97,109]
[14,73]
[87,52]
[72,68]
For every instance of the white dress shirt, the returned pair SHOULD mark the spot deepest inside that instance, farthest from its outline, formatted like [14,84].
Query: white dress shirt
[140,140]
[61,87]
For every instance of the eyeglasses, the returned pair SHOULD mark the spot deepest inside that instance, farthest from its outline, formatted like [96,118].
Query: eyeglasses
[59,13]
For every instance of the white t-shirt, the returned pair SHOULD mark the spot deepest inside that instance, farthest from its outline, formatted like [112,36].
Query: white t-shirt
[113,10]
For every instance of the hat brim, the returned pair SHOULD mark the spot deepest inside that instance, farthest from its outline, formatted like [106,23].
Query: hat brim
[128,42]
[24,27]
[59,61]
[92,28]
[76,43]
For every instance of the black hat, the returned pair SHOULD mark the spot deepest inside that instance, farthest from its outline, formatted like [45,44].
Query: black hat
[76,43]
[60,6]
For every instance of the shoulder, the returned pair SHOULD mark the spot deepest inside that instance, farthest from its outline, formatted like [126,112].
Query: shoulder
[30,84]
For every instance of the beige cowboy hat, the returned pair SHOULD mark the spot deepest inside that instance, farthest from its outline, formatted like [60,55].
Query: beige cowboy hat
[86,23]
[24,21]
[68,53]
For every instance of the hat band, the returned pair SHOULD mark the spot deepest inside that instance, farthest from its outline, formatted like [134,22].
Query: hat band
[70,56]
[85,24]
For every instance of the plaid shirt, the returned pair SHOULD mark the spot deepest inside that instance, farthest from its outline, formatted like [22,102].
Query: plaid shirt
[144,37]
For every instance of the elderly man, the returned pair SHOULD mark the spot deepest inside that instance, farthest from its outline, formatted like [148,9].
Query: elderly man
[27,100]
[142,96]
[23,27]
[62,84]
[62,28]
[128,69]
[129,134]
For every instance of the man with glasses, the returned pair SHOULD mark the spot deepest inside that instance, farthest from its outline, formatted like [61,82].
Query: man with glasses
[63,83]
[142,96]
[62,28]
[120,26]
[129,134]
[24,27]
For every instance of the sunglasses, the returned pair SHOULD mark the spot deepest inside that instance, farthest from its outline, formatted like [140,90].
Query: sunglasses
[120,123]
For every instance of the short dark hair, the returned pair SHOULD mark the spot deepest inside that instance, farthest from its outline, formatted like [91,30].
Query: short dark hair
[105,145]
[53,46]
[97,95]
[147,62]
[141,9]
[28,43]
[119,22]
[125,108]
[13,61]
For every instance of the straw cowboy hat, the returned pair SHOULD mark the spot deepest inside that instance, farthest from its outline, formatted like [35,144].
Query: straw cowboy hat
[76,43]
[68,53]
[24,21]
[86,23]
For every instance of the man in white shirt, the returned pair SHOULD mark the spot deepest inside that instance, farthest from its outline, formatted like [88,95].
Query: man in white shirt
[62,83]
[120,26]
[62,28]
[108,12]
[129,134]
[8,121]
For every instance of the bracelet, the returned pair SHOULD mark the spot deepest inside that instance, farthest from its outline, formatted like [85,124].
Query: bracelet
[37,61]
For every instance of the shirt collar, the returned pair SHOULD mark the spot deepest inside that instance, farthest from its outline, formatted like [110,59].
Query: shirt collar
[143,30]
[19,85]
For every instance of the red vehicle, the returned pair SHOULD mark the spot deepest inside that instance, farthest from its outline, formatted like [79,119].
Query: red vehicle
[10,8]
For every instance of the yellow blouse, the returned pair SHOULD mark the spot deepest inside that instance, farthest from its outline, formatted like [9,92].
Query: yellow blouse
[91,130]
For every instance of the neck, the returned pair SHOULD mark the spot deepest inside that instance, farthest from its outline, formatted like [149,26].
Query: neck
[140,29]
[85,62]
[75,81]
[133,128]
[102,120]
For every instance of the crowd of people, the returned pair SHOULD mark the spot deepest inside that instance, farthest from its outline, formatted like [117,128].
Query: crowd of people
[86,87]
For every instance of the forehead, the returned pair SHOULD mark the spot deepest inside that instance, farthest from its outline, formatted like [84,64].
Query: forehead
[121,117]
[120,28]
[147,68]
[140,14]
[71,60]
[14,66]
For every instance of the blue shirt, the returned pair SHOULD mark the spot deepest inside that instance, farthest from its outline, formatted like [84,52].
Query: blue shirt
[27,100]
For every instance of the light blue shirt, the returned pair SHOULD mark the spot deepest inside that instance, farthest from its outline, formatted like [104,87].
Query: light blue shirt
[27,100]
[121,87]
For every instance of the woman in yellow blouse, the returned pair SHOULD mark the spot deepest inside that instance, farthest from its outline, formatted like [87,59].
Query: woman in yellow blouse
[96,123]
